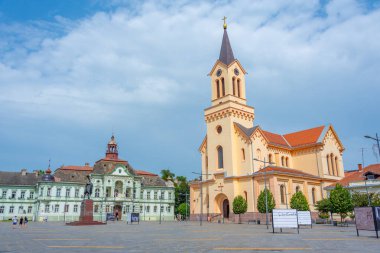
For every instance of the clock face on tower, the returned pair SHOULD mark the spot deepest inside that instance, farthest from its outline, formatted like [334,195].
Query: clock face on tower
[219,72]
[236,71]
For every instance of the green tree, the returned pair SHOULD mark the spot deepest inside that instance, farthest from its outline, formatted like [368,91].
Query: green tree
[341,202]
[261,201]
[182,189]
[299,202]
[183,209]
[239,205]
[167,175]
[375,201]
[359,199]
[323,207]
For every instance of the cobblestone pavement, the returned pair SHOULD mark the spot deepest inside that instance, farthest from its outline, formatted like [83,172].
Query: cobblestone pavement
[181,237]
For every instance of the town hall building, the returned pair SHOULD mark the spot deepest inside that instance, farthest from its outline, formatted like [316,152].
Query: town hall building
[117,188]
[240,158]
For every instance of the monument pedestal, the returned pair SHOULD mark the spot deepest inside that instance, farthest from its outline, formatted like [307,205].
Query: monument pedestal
[86,215]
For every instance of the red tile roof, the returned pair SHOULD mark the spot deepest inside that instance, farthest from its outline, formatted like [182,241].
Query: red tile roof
[357,175]
[305,137]
[77,168]
[145,173]
[275,138]
[286,171]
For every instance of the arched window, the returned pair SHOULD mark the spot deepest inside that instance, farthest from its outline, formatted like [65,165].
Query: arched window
[336,166]
[313,195]
[97,193]
[332,164]
[238,87]
[217,89]
[246,196]
[297,188]
[287,161]
[282,161]
[243,154]
[233,86]
[270,158]
[223,88]
[258,154]
[220,157]
[282,194]
[328,164]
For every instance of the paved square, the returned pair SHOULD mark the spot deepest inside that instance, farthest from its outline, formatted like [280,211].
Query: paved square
[181,237]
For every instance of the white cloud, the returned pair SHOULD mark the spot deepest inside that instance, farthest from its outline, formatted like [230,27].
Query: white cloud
[139,61]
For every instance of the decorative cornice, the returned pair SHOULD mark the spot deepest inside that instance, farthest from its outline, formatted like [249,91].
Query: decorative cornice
[228,112]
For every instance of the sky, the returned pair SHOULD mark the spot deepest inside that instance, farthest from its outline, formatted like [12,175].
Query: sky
[74,72]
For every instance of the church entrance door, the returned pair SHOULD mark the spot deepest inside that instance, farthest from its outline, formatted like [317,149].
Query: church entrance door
[226,208]
[117,211]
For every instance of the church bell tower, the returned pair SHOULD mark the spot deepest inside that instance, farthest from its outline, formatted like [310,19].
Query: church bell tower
[228,106]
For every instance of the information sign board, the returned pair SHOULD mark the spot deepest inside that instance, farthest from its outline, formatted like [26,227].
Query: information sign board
[367,218]
[304,218]
[284,218]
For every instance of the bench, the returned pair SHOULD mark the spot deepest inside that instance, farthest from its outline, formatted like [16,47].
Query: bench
[252,221]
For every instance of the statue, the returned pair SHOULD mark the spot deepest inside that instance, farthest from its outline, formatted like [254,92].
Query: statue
[88,189]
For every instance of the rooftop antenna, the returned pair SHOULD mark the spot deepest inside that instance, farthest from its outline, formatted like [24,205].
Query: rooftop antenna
[362,149]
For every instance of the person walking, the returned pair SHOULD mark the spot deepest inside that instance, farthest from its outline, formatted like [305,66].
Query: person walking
[14,221]
[21,221]
[26,221]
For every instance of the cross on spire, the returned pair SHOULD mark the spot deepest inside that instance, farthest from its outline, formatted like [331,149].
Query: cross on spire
[224,24]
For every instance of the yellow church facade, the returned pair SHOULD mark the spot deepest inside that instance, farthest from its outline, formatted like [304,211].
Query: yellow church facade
[234,151]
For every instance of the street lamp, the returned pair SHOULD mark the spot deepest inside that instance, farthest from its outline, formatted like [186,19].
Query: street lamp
[201,174]
[366,188]
[376,139]
[265,186]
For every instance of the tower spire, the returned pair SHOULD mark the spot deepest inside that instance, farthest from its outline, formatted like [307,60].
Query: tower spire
[226,55]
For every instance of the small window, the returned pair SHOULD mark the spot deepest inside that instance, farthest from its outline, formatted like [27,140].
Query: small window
[220,157]
[282,194]
[76,208]
[219,129]
[119,171]
[313,195]
[1,209]
[11,209]
[47,208]
[297,188]
[56,208]
[66,210]
[243,154]
[30,209]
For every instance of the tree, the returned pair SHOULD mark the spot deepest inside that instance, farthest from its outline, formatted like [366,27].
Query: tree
[239,205]
[183,209]
[299,202]
[261,201]
[167,175]
[323,207]
[181,190]
[341,201]
[359,199]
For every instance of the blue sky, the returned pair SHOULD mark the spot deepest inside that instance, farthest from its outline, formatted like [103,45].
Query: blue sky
[72,72]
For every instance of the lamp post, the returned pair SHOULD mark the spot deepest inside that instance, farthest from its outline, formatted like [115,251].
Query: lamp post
[376,139]
[265,187]
[366,188]
[201,174]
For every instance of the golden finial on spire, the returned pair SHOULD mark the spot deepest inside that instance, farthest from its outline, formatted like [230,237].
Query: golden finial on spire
[225,24]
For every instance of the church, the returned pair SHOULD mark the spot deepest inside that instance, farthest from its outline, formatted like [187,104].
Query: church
[117,188]
[240,158]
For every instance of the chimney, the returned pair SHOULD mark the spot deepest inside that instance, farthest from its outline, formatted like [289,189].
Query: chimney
[86,164]
[23,172]
[360,167]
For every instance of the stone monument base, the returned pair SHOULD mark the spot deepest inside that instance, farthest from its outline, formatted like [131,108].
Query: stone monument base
[86,215]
